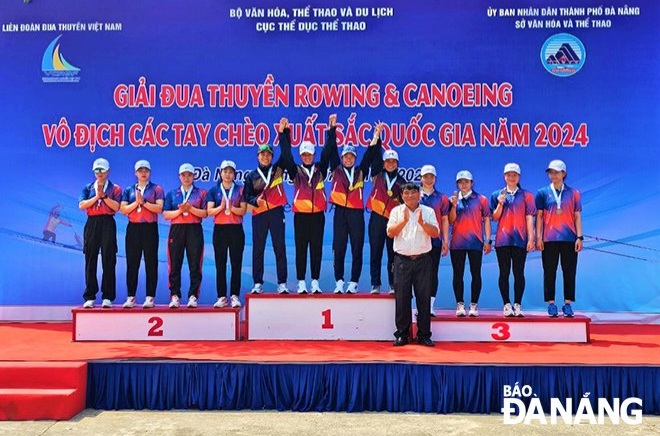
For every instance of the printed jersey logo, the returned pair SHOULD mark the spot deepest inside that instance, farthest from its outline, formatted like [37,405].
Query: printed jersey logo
[563,55]
[56,69]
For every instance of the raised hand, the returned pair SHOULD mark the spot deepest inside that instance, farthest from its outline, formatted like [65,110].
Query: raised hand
[378,127]
[284,123]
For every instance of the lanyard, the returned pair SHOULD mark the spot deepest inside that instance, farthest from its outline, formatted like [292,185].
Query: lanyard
[227,197]
[389,183]
[462,203]
[264,178]
[186,196]
[309,172]
[510,195]
[350,176]
[557,196]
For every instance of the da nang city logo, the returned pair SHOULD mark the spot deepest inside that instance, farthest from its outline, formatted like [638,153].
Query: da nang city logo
[522,406]
[563,55]
[56,69]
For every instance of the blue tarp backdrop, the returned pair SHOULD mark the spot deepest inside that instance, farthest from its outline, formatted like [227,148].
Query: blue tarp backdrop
[459,85]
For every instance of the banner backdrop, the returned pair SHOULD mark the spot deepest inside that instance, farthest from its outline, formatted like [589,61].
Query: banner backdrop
[458,84]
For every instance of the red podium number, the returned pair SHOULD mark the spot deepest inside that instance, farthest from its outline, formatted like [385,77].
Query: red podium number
[327,319]
[503,332]
[156,329]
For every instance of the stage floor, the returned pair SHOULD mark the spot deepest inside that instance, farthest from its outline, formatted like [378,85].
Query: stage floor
[611,344]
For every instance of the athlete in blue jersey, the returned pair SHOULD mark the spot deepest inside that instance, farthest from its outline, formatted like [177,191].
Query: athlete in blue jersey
[514,209]
[559,235]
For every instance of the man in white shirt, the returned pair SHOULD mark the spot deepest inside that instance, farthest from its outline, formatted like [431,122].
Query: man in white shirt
[412,226]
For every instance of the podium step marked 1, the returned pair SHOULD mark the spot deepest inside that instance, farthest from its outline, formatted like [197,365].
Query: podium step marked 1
[361,317]
[493,327]
[156,324]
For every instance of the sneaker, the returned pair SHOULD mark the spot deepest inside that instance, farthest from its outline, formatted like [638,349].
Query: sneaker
[192,302]
[89,304]
[174,302]
[302,287]
[339,287]
[460,309]
[351,288]
[315,288]
[508,310]
[130,303]
[148,303]
[567,310]
[282,289]
[517,310]
[106,304]
[391,290]
[235,302]
[474,311]
[375,290]
[431,306]
[222,302]
[257,289]
[552,310]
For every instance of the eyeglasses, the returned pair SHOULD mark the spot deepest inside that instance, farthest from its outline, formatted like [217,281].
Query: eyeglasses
[99,171]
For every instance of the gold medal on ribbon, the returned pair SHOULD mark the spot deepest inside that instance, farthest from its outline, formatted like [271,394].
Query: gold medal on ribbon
[389,193]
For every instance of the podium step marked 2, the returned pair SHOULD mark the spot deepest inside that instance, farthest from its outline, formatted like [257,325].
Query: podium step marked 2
[493,327]
[156,324]
[360,317]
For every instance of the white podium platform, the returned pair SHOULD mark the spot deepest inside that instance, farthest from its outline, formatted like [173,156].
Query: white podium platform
[319,317]
[156,324]
[493,327]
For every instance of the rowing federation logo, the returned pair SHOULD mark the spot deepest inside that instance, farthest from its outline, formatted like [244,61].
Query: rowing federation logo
[563,55]
[56,69]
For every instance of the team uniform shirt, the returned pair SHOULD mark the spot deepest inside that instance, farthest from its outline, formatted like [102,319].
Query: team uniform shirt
[343,192]
[412,240]
[100,208]
[234,195]
[512,225]
[559,226]
[309,193]
[271,187]
[152,192]
[197,199]
[440,204]
[308,181]
[468,229]
[386,193]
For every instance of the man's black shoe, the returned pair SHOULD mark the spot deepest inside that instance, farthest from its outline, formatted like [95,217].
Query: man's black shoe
[426,342]
[399,342]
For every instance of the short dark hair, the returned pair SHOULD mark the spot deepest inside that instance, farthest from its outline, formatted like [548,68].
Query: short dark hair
[409,186]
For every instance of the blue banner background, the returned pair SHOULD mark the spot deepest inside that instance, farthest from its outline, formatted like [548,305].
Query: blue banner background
[616,94]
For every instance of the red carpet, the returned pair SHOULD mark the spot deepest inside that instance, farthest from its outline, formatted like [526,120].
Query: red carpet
[612,344]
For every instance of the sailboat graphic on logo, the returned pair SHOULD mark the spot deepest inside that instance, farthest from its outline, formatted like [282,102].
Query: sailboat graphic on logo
[55,67]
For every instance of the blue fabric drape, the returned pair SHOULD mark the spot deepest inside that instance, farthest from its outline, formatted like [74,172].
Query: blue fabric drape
[355,387]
